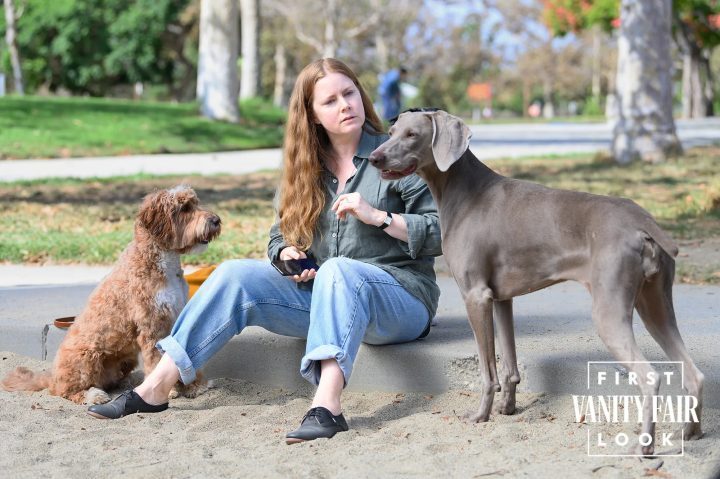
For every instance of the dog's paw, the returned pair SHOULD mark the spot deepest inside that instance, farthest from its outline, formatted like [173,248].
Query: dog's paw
[506,409]
[475,416]
[193,390]
[690,431]
[174,393]
[96,396]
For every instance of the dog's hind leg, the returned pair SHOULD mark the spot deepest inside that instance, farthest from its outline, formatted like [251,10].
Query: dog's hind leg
[614,289]
[655,306]
[509,374]
[76,370]
[479,304]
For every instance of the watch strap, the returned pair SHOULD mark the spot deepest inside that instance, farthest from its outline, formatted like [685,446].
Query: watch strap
[386,222]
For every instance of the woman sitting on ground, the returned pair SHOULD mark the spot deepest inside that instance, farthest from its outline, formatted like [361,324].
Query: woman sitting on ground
[374,240]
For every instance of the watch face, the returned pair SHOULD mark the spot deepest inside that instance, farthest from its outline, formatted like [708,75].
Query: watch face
[388,220]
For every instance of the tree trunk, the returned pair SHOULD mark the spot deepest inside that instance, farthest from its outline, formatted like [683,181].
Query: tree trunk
[217,87]
[687,86]
[526,96]
[698,93]
[596,61]
[330,43]
[709,92]
[250,18]
[548,109]
[279,98]
[645,128]
[381,50]
[10,38]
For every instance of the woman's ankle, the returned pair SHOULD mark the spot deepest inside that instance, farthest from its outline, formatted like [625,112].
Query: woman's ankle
[153,395]
[334,407]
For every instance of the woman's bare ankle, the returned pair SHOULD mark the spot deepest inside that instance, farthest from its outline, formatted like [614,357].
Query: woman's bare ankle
[333,407]
[154,395]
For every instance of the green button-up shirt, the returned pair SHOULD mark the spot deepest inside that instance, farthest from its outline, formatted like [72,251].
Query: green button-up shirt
[411,263]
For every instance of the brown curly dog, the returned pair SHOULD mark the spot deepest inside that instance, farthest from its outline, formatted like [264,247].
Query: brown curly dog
[133,307]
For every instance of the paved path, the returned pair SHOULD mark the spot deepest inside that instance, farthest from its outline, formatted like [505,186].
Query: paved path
[488,142]
[554,333]
[517,140]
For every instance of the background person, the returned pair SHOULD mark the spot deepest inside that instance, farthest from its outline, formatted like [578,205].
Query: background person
[390,92]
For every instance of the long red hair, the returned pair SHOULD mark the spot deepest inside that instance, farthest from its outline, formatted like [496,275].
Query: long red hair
[307,146]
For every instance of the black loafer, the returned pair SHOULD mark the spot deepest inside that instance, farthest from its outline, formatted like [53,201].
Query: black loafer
[127,403]
[318,422]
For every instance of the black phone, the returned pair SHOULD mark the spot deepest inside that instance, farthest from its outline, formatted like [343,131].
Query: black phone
[291,267]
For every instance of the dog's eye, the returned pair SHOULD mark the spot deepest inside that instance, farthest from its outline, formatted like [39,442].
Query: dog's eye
[410,134]
[186,207]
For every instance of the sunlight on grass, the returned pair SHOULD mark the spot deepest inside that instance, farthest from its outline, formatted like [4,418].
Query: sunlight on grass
[42,127]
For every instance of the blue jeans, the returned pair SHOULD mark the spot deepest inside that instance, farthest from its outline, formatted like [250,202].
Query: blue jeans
[350,302]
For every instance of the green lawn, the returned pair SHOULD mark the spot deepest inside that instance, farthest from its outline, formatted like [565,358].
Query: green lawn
[71,221]
[42,127]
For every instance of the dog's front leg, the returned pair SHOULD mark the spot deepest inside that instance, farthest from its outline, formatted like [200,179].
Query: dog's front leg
[150,354]
[509,376]
[479,304]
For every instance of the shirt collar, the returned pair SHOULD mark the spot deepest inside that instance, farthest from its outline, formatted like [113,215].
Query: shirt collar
[368,143]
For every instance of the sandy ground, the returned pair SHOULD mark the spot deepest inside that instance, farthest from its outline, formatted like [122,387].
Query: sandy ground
[237,430]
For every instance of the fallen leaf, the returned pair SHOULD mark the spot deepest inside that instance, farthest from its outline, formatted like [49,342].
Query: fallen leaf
[656,473]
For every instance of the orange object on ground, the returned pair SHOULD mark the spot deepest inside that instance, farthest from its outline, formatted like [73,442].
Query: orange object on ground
[196,278]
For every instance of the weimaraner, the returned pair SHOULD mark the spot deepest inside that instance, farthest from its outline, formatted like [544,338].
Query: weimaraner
[504,238]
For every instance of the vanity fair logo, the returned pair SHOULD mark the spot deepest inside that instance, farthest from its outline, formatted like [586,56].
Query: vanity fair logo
[613,405]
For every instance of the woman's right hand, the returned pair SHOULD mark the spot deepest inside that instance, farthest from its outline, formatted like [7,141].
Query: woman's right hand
[291,252]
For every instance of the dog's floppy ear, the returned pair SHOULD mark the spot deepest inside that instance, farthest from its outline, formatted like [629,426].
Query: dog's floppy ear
[451,138]
[155,214]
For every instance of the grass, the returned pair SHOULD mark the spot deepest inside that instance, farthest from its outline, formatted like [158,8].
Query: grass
[41,127]
[71,221]
[90,221]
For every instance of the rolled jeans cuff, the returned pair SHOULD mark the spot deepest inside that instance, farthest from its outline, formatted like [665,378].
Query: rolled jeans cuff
[310,368]
[182,361]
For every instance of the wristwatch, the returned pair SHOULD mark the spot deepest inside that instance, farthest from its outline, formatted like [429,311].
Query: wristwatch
[386,222]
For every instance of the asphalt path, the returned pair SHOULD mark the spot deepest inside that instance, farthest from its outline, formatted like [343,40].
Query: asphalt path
[488,142]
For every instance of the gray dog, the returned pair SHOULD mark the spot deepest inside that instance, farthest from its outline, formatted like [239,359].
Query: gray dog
[504,238]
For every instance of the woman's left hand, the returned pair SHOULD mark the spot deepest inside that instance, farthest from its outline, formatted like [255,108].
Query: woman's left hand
[355,205]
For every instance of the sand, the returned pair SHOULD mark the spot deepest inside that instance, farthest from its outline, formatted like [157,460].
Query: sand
[237,430]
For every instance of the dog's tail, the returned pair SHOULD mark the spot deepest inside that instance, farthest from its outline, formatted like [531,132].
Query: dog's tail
[22,379]
[663,239]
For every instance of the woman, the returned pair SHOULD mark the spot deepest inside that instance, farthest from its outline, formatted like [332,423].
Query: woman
[374,241]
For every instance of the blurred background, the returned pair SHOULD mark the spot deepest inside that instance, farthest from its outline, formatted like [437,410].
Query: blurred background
[476,58]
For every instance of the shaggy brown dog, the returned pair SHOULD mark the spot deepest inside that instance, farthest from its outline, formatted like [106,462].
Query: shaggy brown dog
[133,307]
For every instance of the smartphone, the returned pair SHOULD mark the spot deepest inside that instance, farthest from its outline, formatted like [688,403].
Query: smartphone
[291,267]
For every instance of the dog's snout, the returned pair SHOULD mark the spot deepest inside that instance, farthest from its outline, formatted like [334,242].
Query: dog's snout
[214,220]
[377,157]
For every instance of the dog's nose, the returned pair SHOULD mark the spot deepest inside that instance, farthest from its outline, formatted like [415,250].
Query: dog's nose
[215,220]
[376,158]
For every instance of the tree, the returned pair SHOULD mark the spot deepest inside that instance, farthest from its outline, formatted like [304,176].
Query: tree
[326,16]
[90,47]
[250,18]
[645,128]
[142,42]
[11,39]
[697,33]
[696,29]
[217,85]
